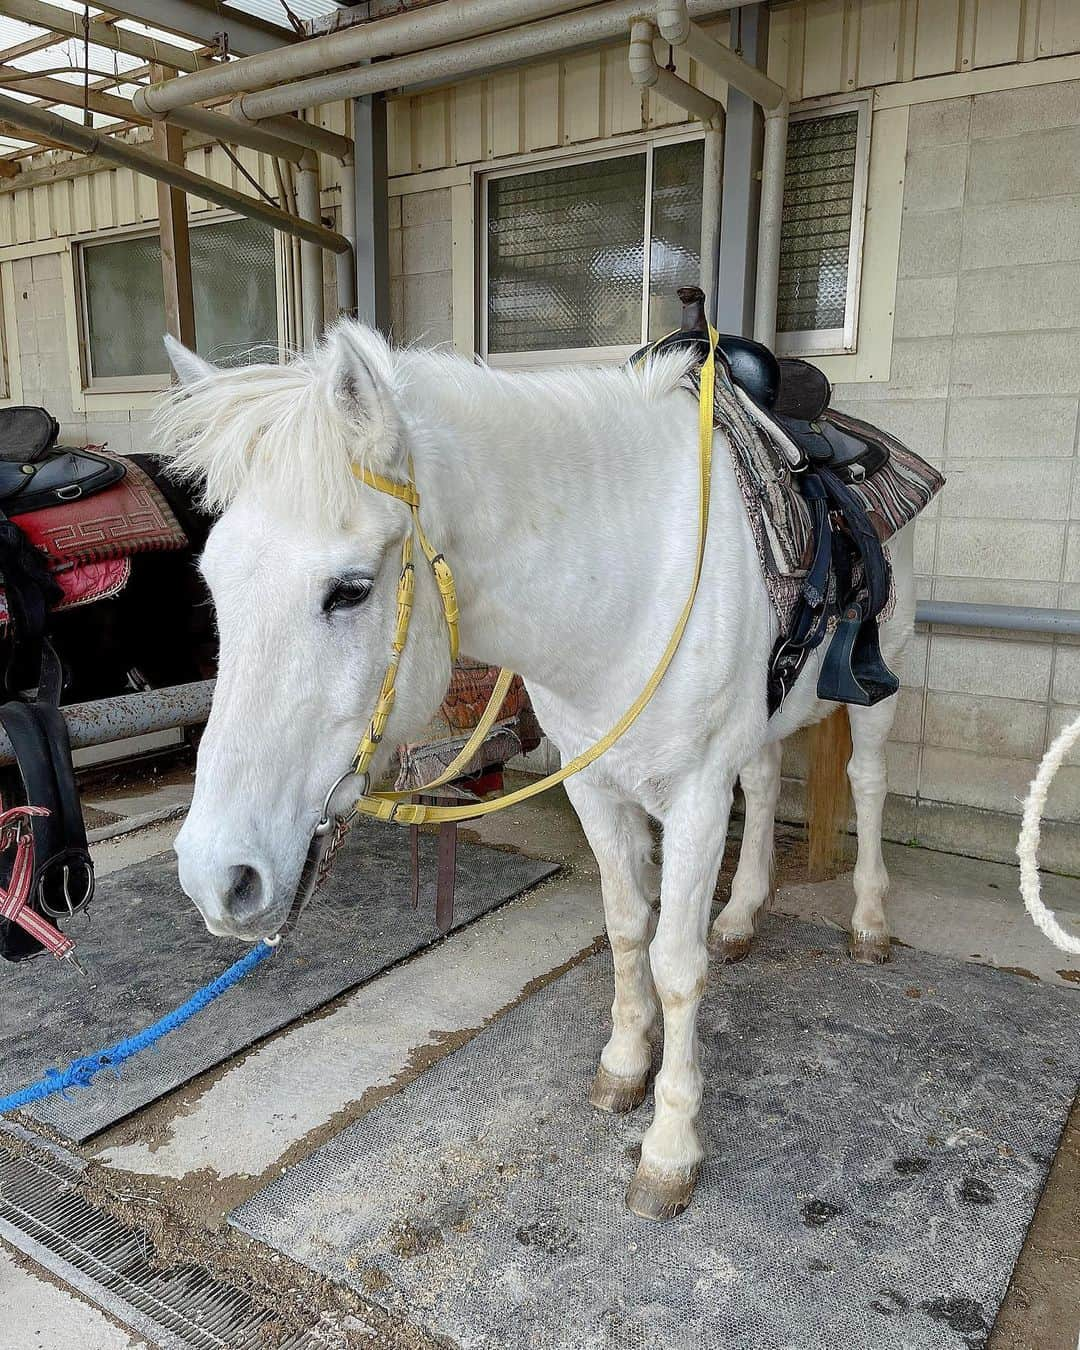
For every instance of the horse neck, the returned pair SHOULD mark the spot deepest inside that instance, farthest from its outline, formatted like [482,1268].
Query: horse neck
[533,486]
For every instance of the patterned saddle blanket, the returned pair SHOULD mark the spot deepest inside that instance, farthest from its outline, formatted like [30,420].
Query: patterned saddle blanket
[89,542]
[779,515]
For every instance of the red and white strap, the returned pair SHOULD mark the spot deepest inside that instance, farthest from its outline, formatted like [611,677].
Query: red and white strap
[14,899]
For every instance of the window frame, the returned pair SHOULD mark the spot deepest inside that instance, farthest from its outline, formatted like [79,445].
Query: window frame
[839,341]
[143,384]
[609,355]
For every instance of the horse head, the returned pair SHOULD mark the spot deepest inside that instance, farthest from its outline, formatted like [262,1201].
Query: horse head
[303,565]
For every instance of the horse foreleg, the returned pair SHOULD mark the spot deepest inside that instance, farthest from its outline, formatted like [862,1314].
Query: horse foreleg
[671,1151]
[870,729]
[734,927]
[618,833]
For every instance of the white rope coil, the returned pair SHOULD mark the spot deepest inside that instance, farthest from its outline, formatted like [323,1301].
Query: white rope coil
[1027,847]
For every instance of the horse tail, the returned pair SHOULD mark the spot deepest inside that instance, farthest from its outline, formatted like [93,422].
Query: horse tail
[828,793]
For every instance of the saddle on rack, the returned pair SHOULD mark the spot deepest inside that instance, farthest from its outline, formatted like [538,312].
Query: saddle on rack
[35,472]
[818,474]
[36,477]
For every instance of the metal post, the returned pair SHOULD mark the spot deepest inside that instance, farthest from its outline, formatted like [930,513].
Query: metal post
[175,246]
[742,190]
[371,222]
[113,719]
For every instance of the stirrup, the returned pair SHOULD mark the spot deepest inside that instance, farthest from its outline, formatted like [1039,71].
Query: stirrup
[853,670]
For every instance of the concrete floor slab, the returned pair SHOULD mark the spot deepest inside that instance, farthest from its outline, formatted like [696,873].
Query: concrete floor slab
[382,1036]
[959,907]
[283,1092]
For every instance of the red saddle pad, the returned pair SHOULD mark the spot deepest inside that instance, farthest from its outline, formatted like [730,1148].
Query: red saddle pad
[130,517]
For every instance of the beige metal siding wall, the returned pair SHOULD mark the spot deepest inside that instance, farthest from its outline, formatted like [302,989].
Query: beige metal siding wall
[821,47]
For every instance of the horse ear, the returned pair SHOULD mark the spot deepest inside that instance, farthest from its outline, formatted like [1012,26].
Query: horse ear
[189,367]
[361,374]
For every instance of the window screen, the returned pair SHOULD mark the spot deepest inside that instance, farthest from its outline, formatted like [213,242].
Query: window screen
[234,285]
[570,261]
[565,256]
[815,240]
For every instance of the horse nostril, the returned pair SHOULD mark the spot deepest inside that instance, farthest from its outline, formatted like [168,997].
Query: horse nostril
[245,891]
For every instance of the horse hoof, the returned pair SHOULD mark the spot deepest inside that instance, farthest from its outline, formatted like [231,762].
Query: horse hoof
[870,949]
[617,1095]
[731,949]
[653,1195]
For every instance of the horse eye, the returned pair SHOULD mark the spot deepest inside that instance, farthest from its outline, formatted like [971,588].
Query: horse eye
[346,593]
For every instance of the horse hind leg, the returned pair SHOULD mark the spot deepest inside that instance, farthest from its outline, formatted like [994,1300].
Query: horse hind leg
[618,833]
[733,929]
[870,729]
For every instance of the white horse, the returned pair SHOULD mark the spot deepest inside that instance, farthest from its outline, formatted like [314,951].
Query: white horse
[566,502]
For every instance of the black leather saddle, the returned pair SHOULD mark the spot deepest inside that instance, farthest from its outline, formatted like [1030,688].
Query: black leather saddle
[794,395]
[35,472]
[26,433]
[60,475]
[848,582]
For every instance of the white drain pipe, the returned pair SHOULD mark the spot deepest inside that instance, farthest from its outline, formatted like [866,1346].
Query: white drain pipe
[712,200]
[231,132]
[647,73]
[346,262]
[309,207]
[770,224]
[674,21]
[579,28]
[298,132]
[411,31]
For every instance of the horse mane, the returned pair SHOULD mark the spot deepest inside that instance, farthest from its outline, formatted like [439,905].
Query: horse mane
[284,431]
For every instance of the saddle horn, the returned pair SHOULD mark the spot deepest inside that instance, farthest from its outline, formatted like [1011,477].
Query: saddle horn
[692,299]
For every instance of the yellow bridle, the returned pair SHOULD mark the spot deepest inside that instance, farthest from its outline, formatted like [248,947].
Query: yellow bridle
[396,806]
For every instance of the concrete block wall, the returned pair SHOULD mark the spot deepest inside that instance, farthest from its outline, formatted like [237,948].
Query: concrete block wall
[421,305]
[985,382]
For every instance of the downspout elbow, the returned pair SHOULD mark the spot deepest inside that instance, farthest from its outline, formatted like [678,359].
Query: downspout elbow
[782,109]
[673,21]
[644,71]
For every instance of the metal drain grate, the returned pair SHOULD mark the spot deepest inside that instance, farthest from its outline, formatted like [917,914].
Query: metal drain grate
[44,1216]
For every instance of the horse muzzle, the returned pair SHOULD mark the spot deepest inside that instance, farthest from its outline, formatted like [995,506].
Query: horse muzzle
[237,898]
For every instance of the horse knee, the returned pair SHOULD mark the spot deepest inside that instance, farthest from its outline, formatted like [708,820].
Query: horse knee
[679,973]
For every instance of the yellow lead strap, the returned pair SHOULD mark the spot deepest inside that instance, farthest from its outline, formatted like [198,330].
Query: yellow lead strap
[390,806]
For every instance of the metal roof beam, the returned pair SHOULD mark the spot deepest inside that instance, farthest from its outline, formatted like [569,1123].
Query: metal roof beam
[104,34]
[70,95]
[50,127]
[245,33]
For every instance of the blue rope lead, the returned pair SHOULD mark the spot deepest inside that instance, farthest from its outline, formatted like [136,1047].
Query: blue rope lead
[80,1072]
